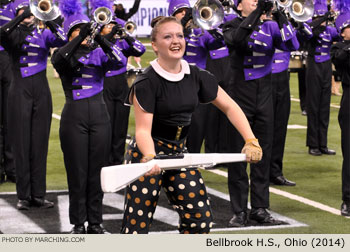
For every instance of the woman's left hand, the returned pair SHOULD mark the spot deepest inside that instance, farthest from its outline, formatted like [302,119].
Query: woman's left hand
[252,150]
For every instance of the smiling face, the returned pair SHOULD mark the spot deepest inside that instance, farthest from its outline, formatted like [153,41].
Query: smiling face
[169,42]
[247,7]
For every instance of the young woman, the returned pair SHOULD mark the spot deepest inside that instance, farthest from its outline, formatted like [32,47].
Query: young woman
[85,130]
[164,98]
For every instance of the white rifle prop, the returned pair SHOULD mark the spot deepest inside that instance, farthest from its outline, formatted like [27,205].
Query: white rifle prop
[114,178]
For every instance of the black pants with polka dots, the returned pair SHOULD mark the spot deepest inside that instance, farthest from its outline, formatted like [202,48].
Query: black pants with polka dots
[185,190]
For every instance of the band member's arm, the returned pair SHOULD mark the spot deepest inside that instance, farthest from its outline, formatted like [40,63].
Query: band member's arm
[8,28]
[61,59]
[57,37]
[133,10]
[115,58]
[133,47]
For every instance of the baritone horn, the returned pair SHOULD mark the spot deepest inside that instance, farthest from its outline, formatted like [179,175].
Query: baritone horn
[45,10]
[208,14]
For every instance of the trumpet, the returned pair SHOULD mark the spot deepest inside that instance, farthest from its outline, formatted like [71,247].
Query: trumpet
[207,14]
[130,27]
[102,16]
[45,10]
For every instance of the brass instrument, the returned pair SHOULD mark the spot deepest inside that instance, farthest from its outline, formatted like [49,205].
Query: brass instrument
[301,10]
[130,27]
[45,10]
[207,14]
[102,16]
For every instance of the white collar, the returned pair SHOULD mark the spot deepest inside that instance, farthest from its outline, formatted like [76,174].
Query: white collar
[185,69]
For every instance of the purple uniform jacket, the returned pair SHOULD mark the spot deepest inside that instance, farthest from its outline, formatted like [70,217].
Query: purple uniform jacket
[262,44]
[6,15]
[137,49]
[280,61]
[31,48]
[324,43]
[90,75]
[197,47]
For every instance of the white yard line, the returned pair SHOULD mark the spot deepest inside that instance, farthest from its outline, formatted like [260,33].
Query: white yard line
[292,196]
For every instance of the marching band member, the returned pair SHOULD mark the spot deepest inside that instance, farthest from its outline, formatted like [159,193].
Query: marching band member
[319,80]
[340,53]
[7,166]
[29,102]
[251,43]
[198,43]
[164,97]
[85,129]
[116,88]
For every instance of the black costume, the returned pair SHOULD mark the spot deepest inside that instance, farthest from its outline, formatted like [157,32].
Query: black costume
[172,116]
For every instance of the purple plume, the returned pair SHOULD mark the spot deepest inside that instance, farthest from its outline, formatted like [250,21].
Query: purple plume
[70,7]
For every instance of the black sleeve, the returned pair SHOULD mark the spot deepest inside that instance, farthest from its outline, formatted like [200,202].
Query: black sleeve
[59,62]
[133,10]
[318,21]
[69,49]
[145,92]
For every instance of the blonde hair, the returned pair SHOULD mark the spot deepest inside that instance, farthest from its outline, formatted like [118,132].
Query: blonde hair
[158,21]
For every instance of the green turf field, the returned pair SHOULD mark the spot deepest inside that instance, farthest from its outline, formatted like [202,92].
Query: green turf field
[317,178]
